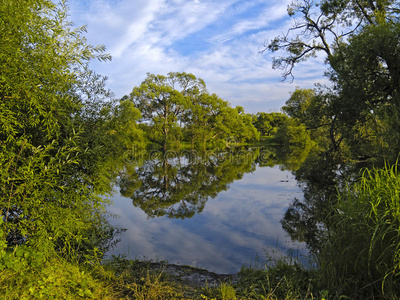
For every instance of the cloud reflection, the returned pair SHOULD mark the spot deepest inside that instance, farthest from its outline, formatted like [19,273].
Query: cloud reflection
[232,230]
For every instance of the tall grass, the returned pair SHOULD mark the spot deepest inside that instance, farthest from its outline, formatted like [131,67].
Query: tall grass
[361,254]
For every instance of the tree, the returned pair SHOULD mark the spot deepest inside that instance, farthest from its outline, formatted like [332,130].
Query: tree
[293,133]
[162,101]
[243,129]
[361,107]
[201,120]
[179,105]
[325,26]
[368,93]
[50,180]
[298,105]
[268,123]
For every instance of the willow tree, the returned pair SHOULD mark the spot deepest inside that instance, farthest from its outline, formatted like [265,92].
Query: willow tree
[162,101]
[49,179]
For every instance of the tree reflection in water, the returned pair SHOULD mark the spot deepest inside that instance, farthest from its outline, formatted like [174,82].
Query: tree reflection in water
[322,176]
[179,185]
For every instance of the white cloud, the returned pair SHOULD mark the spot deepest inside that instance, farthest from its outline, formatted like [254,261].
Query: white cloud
[186,17]
[148,35]
[261,21]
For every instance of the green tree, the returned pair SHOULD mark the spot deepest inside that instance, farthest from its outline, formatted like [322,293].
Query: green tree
[268,123]
[243,129]
[201,120]
[122,125]
[359,40]
[292,132]
[162,101]
[367,98]
[298,105]
[179,105]
[50,180]
[323,26]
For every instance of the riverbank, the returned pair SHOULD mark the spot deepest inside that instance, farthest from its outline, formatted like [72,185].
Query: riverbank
[134,279]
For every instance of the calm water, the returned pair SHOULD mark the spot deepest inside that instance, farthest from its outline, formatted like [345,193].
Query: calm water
[219,224]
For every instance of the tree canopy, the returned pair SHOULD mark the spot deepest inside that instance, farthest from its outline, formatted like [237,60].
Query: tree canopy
[178,107]
[355,123]
[359,112]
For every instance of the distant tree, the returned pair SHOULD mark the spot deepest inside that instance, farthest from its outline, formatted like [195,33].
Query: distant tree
[201,120]
[268,123]
[179,105]
[298,105]
[162,101]
[243,129]
[293,133]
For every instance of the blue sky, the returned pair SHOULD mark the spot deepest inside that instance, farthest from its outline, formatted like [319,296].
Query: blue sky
[218,41]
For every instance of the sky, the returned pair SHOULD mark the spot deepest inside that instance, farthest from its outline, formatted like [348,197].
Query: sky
[219,41]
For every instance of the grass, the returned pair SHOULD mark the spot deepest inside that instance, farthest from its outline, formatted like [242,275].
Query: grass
[57,278]
[361,254]
[53,279]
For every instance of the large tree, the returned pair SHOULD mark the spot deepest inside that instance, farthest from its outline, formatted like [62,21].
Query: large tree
[179,104]
[162,101]
[51,115]
[360,42]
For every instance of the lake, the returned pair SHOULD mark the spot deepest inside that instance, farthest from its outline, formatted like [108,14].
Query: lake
[218,212]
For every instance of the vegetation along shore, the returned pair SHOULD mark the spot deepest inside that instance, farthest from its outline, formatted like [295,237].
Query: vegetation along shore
[65,141]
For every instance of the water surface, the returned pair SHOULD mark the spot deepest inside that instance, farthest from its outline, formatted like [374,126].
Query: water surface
[229,225]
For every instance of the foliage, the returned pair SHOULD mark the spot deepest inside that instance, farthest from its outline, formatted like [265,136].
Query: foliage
[55,278]
[56,135]
[138,280]
[37,150]
[358,115]
[367,93]
[291,133]
[163,99]
[324,26]
[178,107]
[284,280]
[353,121]
[268,123]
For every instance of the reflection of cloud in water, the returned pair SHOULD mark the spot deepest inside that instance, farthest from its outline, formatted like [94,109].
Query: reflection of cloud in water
[232,229]
[164,239]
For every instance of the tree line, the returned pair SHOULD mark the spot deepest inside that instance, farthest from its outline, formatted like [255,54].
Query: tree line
[178,111]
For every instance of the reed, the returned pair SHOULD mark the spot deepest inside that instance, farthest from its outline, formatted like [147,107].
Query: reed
[361,254]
